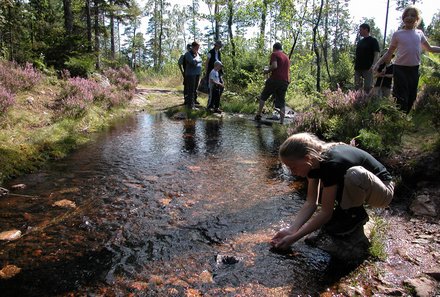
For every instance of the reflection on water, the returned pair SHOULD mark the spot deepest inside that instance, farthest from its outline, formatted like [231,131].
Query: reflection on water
[160,203]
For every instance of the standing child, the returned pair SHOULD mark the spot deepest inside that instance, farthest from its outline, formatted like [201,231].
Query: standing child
[408,42]
[335,172]
[215,87]
[382,87]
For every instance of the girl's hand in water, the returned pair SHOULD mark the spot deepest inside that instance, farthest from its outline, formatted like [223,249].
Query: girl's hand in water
[279,236]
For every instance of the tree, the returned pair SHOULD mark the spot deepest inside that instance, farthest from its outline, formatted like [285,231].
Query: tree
[433,30]
[133,14]
[315,47]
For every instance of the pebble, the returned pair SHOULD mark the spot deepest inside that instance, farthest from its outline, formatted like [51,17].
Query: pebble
[10,235]
[9,271]
[65,203]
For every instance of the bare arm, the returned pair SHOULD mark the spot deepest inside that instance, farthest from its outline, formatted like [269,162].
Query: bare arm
[430,48]
[376,57]
[308,207]
[273,66]
[385,58]
[313,223]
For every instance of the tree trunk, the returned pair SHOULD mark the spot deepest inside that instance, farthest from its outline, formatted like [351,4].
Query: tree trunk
[97,47]
[316,50]
[296,36]
[133,49]
[231,37]
[159,48]
[68,17]
[262,26]
[89,26]
[217,20]
[112,31]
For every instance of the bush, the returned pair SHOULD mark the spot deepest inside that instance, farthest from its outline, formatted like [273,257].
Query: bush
[124,80]
[17,78]
[76,95]
[81,66]
[343,72]
[376,124]
[6,99]
[428,101]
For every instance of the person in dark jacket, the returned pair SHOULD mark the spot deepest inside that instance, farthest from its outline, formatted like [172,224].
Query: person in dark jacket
[192,74]
[182,66]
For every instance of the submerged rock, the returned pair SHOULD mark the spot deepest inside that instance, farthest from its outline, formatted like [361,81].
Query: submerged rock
[10,235]
[18,187]
[9,271]
[350,249]
[65,203]
[3,192]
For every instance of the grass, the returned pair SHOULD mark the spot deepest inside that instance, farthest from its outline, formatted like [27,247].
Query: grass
[30,134]
[377,238]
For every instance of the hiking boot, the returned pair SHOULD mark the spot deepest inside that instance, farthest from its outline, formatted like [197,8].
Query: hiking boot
[257,117]
[346,221]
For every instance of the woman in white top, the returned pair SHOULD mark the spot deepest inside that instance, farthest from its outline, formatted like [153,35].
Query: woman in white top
[408,42]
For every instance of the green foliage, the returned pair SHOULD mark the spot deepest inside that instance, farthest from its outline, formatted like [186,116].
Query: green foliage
[433,30]
[428,101]
[81,66]
[370,140]
[343,72]
[375,124]
[232,102]
[302,79]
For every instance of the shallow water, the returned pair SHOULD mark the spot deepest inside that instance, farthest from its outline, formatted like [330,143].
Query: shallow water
[164,208]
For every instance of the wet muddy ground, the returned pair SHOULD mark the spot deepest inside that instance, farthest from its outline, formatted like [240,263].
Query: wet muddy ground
[184,208]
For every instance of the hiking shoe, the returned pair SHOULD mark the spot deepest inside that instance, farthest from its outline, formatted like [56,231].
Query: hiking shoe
[257,117]
[346,221]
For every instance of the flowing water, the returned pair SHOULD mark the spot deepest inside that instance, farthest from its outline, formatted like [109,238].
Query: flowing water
[163,208]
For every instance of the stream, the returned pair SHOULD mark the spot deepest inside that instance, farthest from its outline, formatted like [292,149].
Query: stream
[162,208]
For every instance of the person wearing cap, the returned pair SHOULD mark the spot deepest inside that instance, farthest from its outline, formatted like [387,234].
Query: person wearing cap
[277,83]
[182,66]
[215,87]
[193,70]
[213,55]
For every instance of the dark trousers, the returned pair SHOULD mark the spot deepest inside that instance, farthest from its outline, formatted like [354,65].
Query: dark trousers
[406,80]
[185,90]
[214,100]
[191,83]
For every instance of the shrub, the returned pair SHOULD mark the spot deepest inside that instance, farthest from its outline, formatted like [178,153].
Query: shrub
[6,99]
[343,72]
[76,96]
[18,78]
[375,123]
[123,78]
[81,66]
[428,101]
